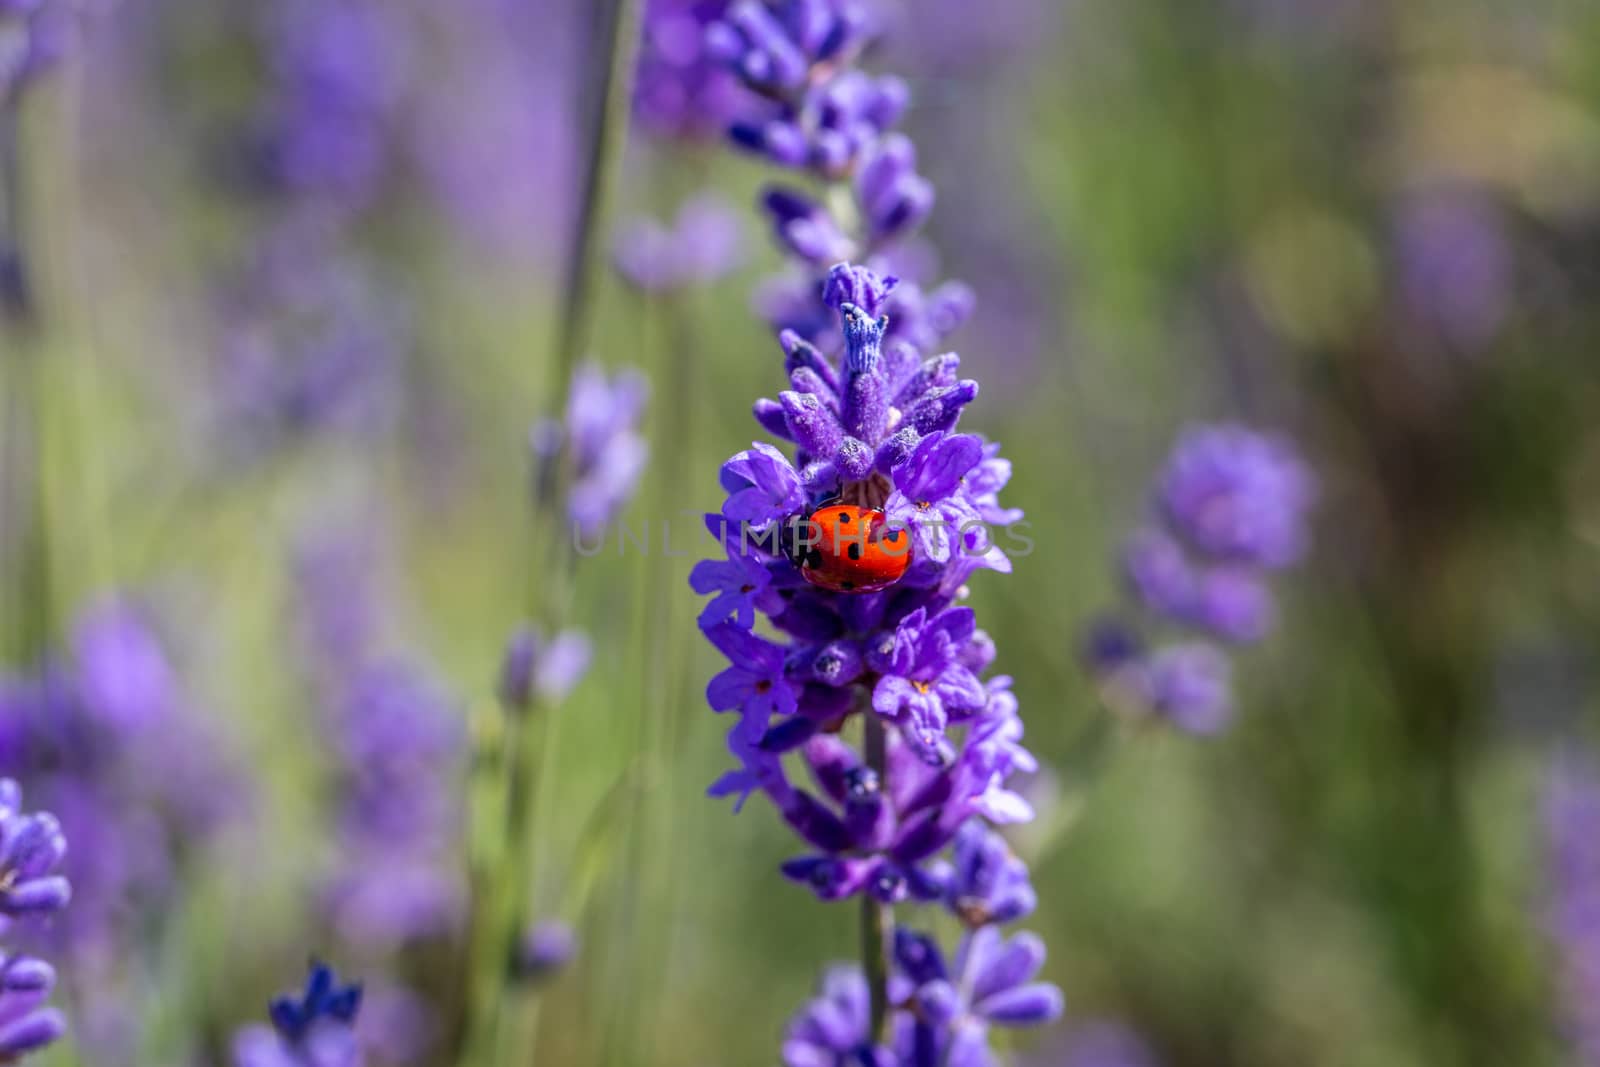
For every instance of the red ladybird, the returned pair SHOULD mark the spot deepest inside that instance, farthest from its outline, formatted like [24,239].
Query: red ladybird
[850,549]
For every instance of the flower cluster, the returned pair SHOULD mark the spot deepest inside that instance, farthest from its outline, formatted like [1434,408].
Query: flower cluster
[699,246]
[872,414]
[32,847]
[399,746]
[314,1029]
[877,427]
[681,90]
[33,36]
[598,440]
[943,1007]
[1229,507]
[779,78]
[1572,831]
[310,332]
[340,73]
[140,782]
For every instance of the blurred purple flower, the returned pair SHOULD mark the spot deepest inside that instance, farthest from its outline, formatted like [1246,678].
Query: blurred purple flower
[1107,1044]
[124,678]
[1572,833]
[500,109]
[699,247]
[34,36]
[545,949]
[1231,504]
[547,669]
[598,437]
[341,69]
[991,984]
[831,1031]
[1454,265]
[1187,684]
[400,743]
[680,89]
[314,1029]
[1237,496]
[311,342]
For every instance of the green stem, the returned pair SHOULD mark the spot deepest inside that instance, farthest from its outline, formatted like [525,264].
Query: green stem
[503,883]
[608,133]
[877,918]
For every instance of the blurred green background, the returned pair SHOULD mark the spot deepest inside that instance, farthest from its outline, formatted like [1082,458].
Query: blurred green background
[1172,211]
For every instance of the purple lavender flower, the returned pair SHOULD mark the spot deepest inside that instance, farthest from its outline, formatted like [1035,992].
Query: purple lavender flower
[700,246]
[987,883]
[1106,1044]
[991,984]
[505,111]
[124,677]
[26,1025]
[1572,832]
[314,1029]
[1454,266]
[810,108]
[681,90]
[533,667]
[1230,506]
[400,743]
[310,341]
[1237,496]
[872,413]
[32,847]
[925,686]
[832,1030]
[31,850]
[877,424]
[599,439]
[755,684]
[341,70]
[33,38]
[545,950]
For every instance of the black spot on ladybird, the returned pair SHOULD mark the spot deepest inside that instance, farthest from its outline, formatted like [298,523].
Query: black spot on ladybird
[855,550]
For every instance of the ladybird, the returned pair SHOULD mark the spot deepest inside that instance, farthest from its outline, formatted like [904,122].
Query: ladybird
[850,549]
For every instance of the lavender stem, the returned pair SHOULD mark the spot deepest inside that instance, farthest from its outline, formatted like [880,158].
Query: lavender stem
[607,134]
[512,876]
[877,918]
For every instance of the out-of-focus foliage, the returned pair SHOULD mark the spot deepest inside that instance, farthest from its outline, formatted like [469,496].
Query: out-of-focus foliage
[276,404]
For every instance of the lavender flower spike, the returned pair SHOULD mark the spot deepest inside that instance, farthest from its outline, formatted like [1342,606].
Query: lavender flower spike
[1572,831]
[873,643]
[545,949]
[1230,507]
[598,437]
[313,1029]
